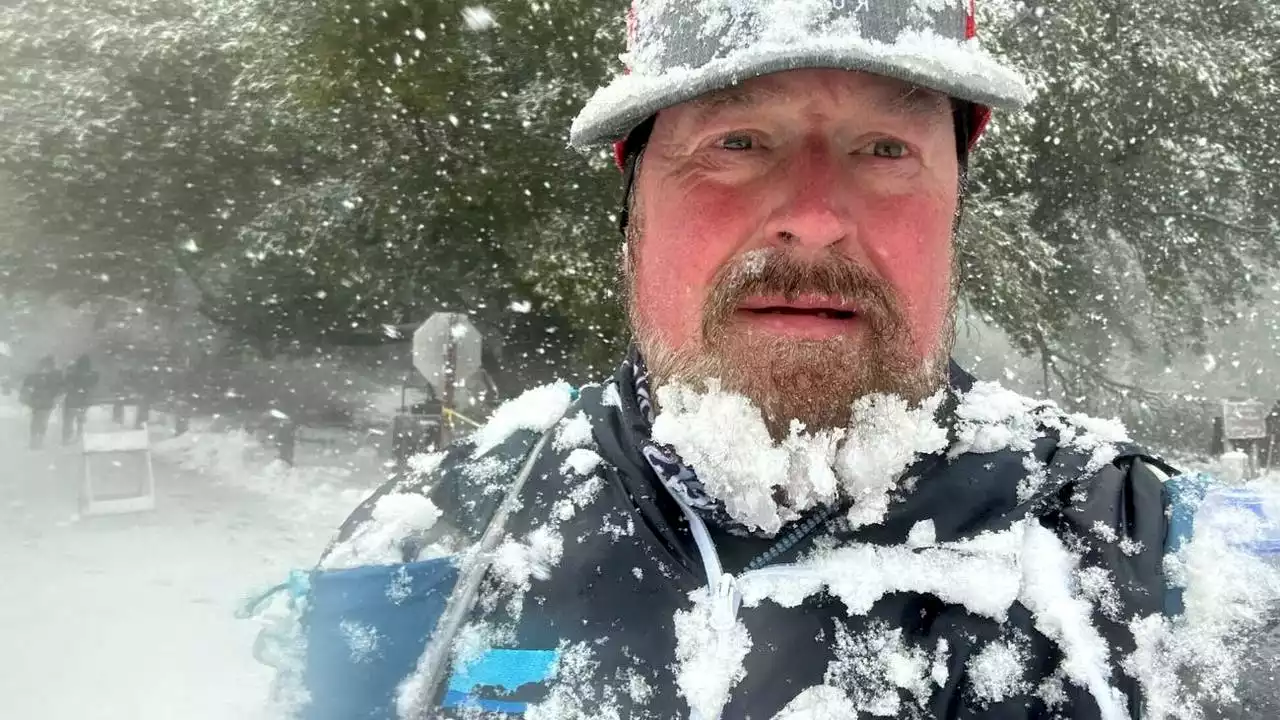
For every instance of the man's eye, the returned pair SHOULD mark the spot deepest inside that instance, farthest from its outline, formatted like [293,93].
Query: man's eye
[888,149]
[737,142]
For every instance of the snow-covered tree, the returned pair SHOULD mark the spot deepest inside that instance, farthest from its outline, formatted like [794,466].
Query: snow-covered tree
[1134,206]
[320,170]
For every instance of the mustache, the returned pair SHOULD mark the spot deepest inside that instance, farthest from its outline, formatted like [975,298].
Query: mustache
[777,272]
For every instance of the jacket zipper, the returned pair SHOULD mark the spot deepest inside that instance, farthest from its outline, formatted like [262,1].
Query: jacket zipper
[724,589]
[828,516]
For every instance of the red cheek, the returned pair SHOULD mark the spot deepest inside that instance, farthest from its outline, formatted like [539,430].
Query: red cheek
[908,239]
[696,231]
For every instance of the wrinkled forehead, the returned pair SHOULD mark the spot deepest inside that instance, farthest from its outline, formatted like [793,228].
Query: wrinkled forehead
[669,34]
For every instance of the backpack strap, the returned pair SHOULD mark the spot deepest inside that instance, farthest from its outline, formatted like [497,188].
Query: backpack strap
[419,690]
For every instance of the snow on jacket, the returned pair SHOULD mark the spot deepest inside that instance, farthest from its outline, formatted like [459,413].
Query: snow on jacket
[1000,582]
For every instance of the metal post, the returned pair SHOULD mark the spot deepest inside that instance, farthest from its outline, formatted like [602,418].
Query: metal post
[450,366]
[144,413]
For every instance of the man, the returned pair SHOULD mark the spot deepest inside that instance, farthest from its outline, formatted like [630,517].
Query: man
[40,390]
[787,503]
[81,379]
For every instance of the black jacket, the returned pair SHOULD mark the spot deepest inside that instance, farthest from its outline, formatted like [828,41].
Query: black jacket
[40,389]
[629,564]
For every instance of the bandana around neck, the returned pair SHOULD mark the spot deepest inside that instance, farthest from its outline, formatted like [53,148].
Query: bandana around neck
[671,470]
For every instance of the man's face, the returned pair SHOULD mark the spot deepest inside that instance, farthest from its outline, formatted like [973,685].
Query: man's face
[792,237]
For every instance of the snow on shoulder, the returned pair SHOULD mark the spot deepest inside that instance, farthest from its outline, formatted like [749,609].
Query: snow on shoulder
[537,410]
[991,418]
[395,518]
[574,432]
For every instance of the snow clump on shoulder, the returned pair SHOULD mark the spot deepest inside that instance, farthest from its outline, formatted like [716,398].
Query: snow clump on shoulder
[423,465]
[395,518]
[991,418]
[581,461]
[537,410]
[516,563]
[574,432]
[997,672]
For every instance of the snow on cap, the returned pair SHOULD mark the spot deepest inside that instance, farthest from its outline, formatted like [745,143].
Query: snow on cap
[681,49]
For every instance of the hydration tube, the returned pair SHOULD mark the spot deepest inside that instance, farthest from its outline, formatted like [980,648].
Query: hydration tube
[418,691]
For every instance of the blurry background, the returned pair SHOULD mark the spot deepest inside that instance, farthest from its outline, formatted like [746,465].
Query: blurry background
[241,209]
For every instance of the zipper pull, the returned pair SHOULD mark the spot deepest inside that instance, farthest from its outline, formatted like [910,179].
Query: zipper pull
[726,598]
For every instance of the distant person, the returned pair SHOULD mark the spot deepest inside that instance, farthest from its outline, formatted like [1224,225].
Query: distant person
[40,390]
[80,381]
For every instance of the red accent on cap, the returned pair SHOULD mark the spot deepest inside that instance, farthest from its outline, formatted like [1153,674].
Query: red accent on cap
[981,113]
[632,26]
[620,147]
[981,118]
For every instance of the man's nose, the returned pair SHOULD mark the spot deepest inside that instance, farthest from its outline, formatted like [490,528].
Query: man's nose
[812,210]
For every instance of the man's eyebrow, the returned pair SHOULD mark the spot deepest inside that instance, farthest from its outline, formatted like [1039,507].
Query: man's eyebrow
[738,97]
[918,102]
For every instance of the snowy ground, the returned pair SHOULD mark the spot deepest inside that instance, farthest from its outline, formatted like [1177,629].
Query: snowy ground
[132,616]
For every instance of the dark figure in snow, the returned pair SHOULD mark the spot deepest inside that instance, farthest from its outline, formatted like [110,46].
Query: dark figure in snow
[80,381]
[787,502]
[40,390]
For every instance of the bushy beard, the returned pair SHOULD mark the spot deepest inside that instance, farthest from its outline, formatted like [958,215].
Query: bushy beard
[814,382]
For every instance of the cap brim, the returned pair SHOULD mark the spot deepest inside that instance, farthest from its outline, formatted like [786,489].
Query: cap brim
[960,72]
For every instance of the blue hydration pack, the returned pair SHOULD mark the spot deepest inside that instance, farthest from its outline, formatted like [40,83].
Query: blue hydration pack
[363,630]
[1197,495]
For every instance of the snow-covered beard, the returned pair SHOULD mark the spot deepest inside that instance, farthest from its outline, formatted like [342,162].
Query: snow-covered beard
[813,382]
